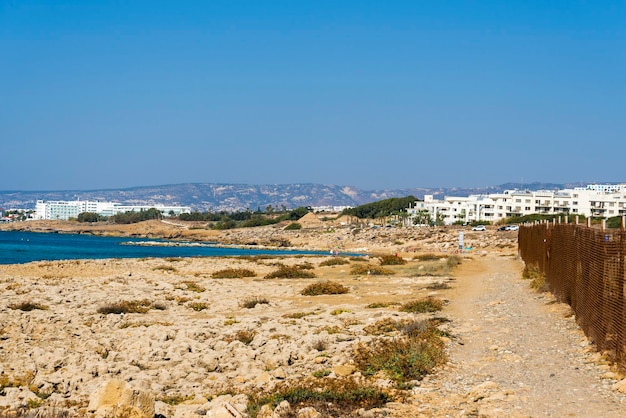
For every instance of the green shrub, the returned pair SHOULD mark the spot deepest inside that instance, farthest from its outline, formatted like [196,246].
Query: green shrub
[231,273]
[324,288]
[339,311]
[424,305]
[321,373]
[404,358]
[330,397]
[293,226]
[290,272]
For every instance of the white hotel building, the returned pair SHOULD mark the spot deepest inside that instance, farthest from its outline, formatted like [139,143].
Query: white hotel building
[600,200]
[63,210]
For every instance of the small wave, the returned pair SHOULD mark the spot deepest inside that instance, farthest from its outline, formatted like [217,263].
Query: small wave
[166,244]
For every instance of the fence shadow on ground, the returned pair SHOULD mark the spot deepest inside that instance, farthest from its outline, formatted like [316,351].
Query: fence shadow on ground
[584,267]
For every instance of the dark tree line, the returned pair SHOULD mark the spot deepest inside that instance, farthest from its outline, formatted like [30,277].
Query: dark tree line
[382,208]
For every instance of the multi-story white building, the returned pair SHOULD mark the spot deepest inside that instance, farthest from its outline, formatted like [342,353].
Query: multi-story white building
[594,200]
[63,210]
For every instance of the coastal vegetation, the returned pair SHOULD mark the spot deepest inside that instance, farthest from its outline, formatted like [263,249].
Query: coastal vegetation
[326,287]
[220,220]
[247,219]
[382,208]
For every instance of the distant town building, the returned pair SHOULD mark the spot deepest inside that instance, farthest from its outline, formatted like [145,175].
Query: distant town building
[63,210]
[330,208]
[597,200]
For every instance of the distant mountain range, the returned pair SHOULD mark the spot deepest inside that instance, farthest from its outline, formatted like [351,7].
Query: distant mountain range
[238,197]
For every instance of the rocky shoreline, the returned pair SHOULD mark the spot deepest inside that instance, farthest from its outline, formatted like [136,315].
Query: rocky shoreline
[199,344]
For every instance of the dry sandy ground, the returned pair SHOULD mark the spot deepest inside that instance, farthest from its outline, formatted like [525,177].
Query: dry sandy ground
[512,352]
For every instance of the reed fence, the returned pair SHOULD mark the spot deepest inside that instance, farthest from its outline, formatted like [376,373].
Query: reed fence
[584,267]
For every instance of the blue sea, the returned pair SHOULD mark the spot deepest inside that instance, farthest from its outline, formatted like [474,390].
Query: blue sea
[18,247]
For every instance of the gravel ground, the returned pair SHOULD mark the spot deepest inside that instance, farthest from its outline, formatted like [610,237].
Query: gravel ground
[514,352]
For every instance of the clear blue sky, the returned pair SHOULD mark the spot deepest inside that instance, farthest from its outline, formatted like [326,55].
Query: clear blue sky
[373,94]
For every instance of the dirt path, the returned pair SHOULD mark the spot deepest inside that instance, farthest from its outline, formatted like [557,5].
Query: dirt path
[515,353]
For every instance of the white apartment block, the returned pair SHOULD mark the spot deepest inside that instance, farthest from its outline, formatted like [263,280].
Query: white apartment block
[63,210]
[594,200]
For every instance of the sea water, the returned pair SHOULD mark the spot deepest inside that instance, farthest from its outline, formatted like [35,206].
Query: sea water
[18,247]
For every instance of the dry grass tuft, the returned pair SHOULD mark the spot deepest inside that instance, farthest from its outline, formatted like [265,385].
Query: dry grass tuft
[335,261]
[392,260]
[329,397]
[28,306]
[126,306]
[251,302]
[290,272]
[370,269]
[232,273]
[198,306]
[376,305]
[324,288]
[190,286]
[403,359]
[424,305]
[298,315]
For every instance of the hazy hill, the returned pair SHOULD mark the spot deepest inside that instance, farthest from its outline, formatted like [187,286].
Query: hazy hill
[233,197]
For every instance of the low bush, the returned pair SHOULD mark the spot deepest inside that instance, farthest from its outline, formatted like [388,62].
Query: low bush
[298,315]
[424,305]
[293,226]
[335,261]
[290,272]
[198,306]
[370,270]
[245,336]
[191,286]
[321,344]
[251,302]
[170,269]
[339,311]
[28,306]
[231,273]
[382,327]
[453,261]
[127,306]
[330,397]
[392,260]
[403,359]
[376,305]
[324,288]
[321,373]
[427,257]
[438,286]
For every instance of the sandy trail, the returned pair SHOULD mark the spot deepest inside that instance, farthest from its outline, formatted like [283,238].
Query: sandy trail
[515,352]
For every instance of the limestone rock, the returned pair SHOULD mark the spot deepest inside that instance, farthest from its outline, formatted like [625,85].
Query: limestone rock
[620,386]
[15,397]
[344,370]
[116,398]
[308,412]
